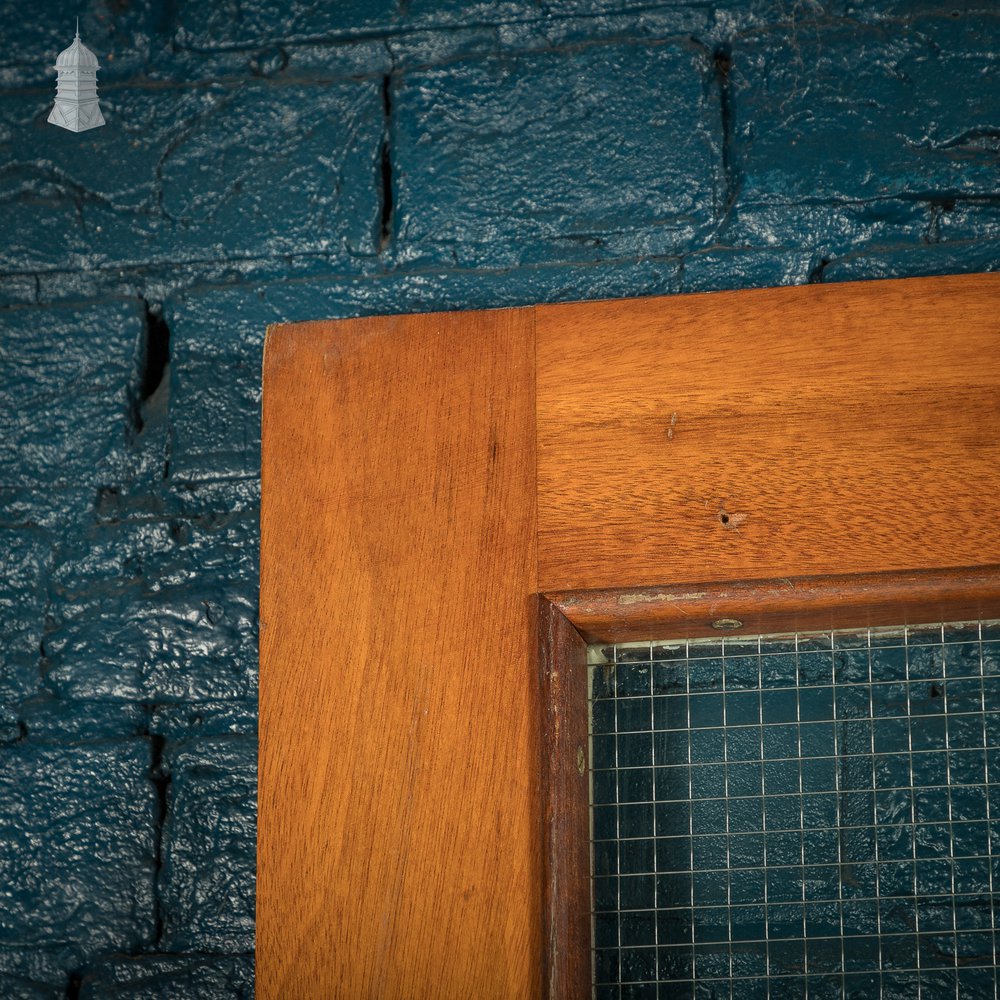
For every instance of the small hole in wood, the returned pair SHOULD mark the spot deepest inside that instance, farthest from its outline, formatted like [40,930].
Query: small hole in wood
[724,518]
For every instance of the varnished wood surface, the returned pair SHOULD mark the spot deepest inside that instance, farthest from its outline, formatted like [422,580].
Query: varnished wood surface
[399,845]
[789,604]
[778,435]
[769,433]
[566,802]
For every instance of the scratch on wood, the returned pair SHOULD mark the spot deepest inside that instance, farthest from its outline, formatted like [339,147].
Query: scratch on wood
[646,597]
[670,429]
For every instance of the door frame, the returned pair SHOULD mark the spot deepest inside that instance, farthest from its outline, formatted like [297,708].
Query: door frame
[455,504]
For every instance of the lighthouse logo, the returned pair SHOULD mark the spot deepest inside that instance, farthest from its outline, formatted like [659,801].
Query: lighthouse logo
[76,106]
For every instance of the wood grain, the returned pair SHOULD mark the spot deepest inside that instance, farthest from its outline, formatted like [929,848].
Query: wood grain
[566,797]
[769,433]
[399,837]
[789,604]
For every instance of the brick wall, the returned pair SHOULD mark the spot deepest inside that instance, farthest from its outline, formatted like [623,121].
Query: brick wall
[332,160]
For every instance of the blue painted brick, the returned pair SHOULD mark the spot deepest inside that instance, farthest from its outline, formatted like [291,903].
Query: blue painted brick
[610,150]
[88,201]
[55,511]
[505,30]
[193,173]
[826,228]
[120,35]
[718,269]
[194,53]
[156,611]
[25,558]
[170,977]
[208,26]
[550,16]
[238,495]
[76,846]
[63,385]
[208,718]
[35,973]
[343,40]
[233,172]
[174,501]
[916,260]
[10,722]
[961,220]
[208,29]
[449,289]
[830,119]
[217,342]
[207,884]
[48,719]
[18,289]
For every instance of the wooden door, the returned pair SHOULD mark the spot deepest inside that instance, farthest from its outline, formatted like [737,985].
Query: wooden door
[453,503]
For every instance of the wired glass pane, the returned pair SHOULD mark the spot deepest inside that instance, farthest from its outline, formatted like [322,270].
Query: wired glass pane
[797,816]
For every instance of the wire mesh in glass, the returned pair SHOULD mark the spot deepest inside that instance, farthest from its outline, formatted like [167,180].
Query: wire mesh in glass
[797,816]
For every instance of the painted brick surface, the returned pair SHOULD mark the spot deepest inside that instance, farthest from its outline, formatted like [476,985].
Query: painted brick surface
[34,973]
[273,163]
[515,160]
[157,611]
[848,112]
[67,384]
[25,558]
[82,815]
[170,977]
[218,342]
[864,133]
[123,37]
[207,883]
[55,721]
[177,168]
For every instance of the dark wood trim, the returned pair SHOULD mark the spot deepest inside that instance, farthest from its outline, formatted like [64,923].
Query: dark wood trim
[565,772]
[788,604]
